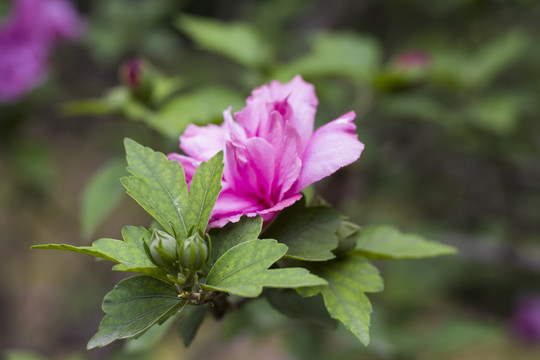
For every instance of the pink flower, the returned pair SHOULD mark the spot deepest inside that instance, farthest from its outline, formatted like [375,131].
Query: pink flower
[26,39]
[525,322]
[412,60]
[271,150]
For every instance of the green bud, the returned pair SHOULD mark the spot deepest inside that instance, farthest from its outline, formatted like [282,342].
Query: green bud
[163,249]
[193,253]
[347,235]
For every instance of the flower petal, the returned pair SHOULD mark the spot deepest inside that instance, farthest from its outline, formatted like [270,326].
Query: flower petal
[261,157]
[295,101]
[202,142]
[331,147]
[267,214]
[232,202]
[289,164]
[301,98]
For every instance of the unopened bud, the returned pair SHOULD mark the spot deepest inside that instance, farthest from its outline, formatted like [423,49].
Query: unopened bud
[412,60]
[163,249]
[193,253]
[136,74]
[347,235]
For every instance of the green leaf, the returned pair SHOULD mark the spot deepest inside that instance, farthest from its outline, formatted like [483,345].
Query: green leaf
[386,242]
[204,191]
[494,57]
[101,195]
[201,107]
[190,324]
[158,185]
[148,340]
[18,354]
[349,278]
[237,41]
[339,54]
[243,270]
[414,106]
[113,101]
[308,232]
[133,306]
[498,113]
[231,235]
[307,309]
[130,253]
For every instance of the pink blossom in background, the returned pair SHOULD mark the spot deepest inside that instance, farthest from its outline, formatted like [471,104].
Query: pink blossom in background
[412,59]
[271,151]
[27,37]
[525,323]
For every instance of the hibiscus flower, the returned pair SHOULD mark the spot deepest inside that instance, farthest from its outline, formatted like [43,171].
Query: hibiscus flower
[271,151]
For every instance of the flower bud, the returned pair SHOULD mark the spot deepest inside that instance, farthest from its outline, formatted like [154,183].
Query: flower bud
[347,235]
[412,60]
[193,253]
[163,249]
[137,75]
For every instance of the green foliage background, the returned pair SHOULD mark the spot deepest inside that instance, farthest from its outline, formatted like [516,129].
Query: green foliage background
[451,153]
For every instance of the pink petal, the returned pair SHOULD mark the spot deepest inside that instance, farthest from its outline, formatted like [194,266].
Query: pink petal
[231,202]
[252,116]
[267,214]
[233,130]
[272,129]
[296,101]
[303,102]
[202,142]
[262,161]
[331,147]
[188,164]
[289,163]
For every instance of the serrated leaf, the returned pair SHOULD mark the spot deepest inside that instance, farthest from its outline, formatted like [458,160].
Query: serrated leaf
[133,306]
[101,195]
[307,309]
[130,253]
[201,107]
[190,324]
[243,270]
[349,278]
[237,41]
[248,228]
[308,232]
[158,185]
[387,242]
[204,191]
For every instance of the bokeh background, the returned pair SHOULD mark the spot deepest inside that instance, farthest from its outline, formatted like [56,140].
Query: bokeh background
[446,96]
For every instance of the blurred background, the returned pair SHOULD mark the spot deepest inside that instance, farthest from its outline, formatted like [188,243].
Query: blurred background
[446,97]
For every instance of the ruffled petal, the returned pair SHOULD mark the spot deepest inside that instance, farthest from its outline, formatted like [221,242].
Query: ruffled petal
[302,101]
[261,157]
[202,142]
[267,214]
[233,130]
[295,101]
[331,147]
[231,202]
[289,164]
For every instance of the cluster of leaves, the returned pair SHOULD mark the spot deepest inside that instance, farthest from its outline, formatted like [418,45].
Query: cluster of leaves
[309,250]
